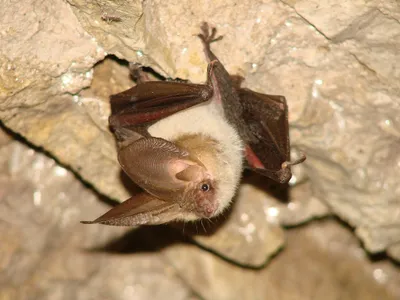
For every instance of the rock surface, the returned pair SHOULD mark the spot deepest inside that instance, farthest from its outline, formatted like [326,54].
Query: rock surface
[46,253]
[337,64]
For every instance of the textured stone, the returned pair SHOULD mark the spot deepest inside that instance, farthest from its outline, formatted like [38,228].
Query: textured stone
[46,254]
[337,63]
[320,261]
[251,233]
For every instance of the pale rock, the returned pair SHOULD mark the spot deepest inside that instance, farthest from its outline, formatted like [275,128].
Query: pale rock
[47,254]
[251,234]
[337,64]
[321,260]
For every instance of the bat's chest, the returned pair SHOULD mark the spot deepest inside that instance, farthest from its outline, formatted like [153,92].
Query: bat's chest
[206,119]
[201,119]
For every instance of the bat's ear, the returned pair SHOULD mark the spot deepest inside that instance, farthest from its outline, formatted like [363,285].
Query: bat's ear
[191,173]
[160,167]
[141,209]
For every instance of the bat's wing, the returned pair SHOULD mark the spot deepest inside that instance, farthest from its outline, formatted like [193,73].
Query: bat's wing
[261,120]
[151,101]
[160,167]
[268,146]
[141,209]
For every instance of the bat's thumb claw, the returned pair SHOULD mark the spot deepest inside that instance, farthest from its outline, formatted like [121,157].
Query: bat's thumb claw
[296,162]
[88,222]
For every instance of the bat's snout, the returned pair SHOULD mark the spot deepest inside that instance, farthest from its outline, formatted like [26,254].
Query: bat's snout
[204,201]
[205,208]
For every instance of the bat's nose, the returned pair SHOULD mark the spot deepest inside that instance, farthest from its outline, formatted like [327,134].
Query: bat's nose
[206,207]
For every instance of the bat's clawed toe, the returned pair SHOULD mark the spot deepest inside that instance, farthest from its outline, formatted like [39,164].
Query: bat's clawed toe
[207,37]
[137,73]
[89,222]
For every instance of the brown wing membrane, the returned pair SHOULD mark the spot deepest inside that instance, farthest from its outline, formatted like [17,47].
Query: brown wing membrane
[154,163]
[151,101]
[141,209]
[268,144]
[267,116]
[261,120]
[153,93]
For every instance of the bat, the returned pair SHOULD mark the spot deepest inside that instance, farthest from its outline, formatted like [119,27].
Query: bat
[186,144]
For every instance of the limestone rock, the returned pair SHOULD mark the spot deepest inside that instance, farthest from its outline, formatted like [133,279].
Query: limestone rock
[320,261]
[46,253]
[337,64]
[251,233]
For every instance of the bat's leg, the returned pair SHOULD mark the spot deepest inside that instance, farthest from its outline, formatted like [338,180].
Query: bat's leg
[207,38]
[137,74]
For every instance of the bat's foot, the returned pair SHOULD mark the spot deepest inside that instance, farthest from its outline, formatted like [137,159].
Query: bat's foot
[208,35]
[137,73]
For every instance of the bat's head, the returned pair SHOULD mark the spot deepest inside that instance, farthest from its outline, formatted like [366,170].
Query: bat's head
[199,198]
[185,172]
[186,180]
[219,162]
[193,178]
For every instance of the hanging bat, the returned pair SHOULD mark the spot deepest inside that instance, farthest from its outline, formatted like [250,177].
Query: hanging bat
[186,144]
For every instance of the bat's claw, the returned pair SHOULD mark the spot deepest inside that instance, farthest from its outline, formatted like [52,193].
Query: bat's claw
[88,222]
[296,162]
[208,37]
[137,73]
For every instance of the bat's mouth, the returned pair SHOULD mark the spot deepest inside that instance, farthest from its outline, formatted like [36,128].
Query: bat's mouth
[206,208]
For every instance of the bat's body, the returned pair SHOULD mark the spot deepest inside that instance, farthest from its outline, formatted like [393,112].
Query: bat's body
[185,144]
[226,163]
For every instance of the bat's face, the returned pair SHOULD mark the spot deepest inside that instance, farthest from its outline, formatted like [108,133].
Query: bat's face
[192,186]
[219,153]
[200,199]
[183,172]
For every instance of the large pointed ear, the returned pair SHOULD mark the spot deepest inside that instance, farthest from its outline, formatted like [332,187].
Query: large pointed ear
[141,209]
[153,164]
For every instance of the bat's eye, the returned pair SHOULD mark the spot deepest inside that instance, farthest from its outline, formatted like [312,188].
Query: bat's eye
[205,187]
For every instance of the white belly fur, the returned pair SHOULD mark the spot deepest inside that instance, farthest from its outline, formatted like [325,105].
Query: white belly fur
[207,119]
